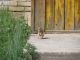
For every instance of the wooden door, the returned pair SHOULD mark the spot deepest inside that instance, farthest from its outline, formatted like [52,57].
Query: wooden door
[57,15]
[62,15]
[50,12]
[69,14]
[77,14]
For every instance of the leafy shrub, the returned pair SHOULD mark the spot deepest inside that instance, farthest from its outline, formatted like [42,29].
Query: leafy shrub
[14,33]
[31,51]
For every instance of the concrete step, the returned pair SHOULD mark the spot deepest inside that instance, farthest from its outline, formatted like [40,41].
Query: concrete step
[58,56]
[57,46]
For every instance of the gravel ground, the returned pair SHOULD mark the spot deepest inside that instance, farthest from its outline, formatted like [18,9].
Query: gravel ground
[65,43]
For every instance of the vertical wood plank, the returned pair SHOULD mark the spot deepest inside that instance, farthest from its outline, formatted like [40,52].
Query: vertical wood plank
[59,14]
[77,14]
[69,17]
[39,14]
[50,22]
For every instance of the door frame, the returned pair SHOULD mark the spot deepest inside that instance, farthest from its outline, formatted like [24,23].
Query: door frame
[33,17]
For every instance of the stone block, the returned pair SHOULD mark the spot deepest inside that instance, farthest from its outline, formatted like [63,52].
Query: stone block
[0,3]
[18,14]
[29,23]
[28,0]
[11,3]
[28,15]
[21,0]
[27,8]
[28,18]
[24,3]
[11,8]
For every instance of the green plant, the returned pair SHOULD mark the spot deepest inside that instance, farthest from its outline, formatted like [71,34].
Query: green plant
[31,51]
[14,33]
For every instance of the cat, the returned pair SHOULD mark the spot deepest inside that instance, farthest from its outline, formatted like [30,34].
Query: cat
[40,33]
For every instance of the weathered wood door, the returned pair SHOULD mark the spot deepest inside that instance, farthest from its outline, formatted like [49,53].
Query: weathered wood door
[57,15]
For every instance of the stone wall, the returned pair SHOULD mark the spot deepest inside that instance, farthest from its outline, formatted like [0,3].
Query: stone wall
[19,8]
